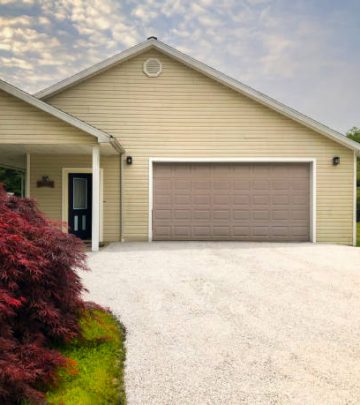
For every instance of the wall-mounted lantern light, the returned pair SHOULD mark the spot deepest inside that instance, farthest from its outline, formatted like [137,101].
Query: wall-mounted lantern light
[336,160]
[129,160]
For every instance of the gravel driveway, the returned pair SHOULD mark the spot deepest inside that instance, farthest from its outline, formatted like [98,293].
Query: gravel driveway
[235,323]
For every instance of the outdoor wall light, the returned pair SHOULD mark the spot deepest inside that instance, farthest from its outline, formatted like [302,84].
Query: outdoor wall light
[336,160]
[129,160]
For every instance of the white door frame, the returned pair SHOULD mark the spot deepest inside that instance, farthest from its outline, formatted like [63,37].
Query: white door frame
[311,161]
[65,195]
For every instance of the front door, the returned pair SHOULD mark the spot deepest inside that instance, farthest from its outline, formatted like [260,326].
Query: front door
[80,189]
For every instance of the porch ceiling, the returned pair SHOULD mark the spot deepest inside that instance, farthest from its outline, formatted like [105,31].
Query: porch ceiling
[15,155]
[62,149]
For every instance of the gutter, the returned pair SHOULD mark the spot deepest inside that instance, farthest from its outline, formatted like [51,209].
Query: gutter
[116,145]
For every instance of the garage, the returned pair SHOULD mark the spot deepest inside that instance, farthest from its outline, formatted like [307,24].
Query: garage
[250,201]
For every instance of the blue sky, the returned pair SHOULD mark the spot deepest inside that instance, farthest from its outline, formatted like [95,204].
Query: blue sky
[301,52]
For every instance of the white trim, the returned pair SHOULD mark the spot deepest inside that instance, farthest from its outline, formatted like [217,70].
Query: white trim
[75,122]
[65,196]
[28,173]
[95,224]
[208,71]
[313,201]
[354,200]
[311,161]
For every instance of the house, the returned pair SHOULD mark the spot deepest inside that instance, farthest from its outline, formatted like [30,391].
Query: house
[151,144]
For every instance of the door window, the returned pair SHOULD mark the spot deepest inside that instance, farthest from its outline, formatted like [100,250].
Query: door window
[79,193]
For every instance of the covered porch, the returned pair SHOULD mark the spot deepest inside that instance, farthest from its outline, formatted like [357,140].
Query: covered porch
[67,181]
[70,168]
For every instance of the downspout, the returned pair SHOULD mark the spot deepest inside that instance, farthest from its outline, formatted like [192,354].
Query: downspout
[116,145]
[122,197]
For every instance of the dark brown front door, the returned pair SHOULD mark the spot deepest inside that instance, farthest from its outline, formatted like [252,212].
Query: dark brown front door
[80,188]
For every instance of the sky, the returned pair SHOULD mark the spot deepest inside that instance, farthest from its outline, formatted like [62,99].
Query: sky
[303,53]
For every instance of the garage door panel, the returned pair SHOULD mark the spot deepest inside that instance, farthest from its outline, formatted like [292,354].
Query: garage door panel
[180,186]
[221,185]
[163,214]
[163,200]
[261,185]
[280,231]
[241,185]
[261,215]
[280,185]
[201,215]
[221,214]
[260,200]
[221,231]
[181,199]
[199,200]
[279,215]
[221,199]
[199,186]
[182,214]
[241,200]
[241,215]
[201,231]
[241,231]
[280,199]
[162,185]
[231,202]
[182,232]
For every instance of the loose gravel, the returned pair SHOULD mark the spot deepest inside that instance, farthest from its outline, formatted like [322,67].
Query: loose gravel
[234,323]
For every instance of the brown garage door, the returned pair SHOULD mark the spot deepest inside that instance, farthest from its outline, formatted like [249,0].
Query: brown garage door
[226,201]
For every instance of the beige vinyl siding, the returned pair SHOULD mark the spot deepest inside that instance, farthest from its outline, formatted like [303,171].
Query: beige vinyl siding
[50,199]
[182,113]
[21,123]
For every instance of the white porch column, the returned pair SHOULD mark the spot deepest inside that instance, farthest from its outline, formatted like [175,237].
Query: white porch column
[95,198]
[27,183]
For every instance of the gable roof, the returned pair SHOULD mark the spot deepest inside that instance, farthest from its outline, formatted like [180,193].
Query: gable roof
[101,136]
[153,43]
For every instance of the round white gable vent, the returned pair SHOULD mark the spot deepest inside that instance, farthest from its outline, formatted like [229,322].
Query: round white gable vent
[152,67]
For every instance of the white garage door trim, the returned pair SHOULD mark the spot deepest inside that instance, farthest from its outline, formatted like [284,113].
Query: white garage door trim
[311,161]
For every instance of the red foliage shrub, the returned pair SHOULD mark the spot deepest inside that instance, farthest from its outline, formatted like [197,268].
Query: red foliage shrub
[40,298]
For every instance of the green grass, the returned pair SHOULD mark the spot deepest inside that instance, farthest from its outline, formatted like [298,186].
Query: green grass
[358,234]
[98,376]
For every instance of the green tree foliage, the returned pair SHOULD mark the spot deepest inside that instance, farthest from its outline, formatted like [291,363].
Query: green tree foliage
[12,180]
[354,134]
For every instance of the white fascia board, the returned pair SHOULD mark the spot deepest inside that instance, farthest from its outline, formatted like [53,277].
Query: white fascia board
[207,71]
[55,112]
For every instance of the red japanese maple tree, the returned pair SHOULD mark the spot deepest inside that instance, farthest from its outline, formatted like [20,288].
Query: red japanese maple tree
[40,298]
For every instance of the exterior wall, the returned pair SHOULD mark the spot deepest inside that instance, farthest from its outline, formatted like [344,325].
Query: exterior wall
[21,123]
[182,113]
[50,199]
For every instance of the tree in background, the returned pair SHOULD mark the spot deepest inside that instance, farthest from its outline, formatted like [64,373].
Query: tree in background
[354,134]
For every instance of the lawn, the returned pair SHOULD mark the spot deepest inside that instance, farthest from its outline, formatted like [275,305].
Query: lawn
[97,375]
